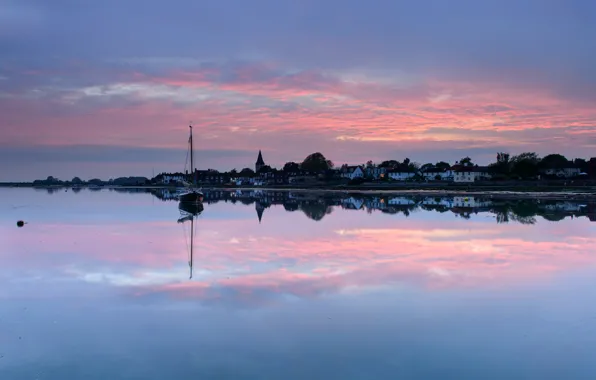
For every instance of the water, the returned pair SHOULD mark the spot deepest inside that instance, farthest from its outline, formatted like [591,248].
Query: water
[294,286]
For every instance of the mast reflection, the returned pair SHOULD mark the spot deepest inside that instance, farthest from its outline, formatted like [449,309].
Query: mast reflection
[188,213]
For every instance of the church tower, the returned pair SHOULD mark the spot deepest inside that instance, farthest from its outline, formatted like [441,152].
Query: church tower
[260,163]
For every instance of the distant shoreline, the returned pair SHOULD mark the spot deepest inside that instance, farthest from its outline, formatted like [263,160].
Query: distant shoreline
[521,190]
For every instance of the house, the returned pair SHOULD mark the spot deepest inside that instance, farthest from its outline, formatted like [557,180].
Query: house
[302,178]
[564,172]
[400,175]
[172,179]
[272,177]
[212,177]
[375,172]
[437,174]
[468,174]
[352,172]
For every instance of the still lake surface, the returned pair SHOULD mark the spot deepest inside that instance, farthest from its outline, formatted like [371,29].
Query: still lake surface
[295,286]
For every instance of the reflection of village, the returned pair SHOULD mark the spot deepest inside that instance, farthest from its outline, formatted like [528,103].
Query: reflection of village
[317,205]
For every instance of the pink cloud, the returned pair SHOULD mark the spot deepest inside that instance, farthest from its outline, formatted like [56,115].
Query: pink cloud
[258,106]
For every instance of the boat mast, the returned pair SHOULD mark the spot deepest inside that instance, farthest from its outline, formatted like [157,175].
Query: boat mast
[192,165]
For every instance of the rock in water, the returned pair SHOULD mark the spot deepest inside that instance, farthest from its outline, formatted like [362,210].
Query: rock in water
[20,223]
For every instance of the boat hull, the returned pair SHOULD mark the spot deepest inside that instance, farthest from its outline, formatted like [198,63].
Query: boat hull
[192,197]
[190,208]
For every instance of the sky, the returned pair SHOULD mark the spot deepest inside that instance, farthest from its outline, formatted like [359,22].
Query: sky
[107,89]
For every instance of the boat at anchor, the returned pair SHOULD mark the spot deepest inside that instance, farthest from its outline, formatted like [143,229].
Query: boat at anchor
[193,194]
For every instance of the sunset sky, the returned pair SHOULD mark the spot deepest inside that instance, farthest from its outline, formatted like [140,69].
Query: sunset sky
[108,88]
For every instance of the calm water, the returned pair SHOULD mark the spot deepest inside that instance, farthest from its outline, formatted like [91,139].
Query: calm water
[292,286]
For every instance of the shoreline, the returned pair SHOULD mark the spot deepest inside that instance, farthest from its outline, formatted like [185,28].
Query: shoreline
[492,191]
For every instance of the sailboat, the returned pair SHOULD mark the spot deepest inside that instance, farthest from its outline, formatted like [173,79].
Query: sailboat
[188,212]
[194,195]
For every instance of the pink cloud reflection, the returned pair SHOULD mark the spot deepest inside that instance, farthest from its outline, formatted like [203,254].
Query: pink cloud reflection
[348,253]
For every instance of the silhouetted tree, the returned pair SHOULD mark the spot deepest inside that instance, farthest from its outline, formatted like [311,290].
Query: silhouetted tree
[427,166]
[247,172]
[553,161]
[265,169]
[502,167]
[316,162]
[525,165]
[291,167]
[442,165]
[389,164]
[466,161]
[581,164]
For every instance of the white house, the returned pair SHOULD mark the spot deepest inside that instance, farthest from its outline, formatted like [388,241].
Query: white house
[352,172]
[564,172]
[435,174]
[471,174]
[398,175]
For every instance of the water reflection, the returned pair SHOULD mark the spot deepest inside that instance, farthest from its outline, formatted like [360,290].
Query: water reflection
[317,205]
[381,286]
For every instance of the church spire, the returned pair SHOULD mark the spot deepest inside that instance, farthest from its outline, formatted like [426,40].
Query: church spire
[260,162]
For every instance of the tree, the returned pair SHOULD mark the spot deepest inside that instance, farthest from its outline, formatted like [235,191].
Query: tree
[525,165]
[425,167]
[247,172]
[389,164]
[466,161]
[442,165]
[581,164]
[291,167]
[76,181]
[529,156]
[503,158]
[553,161]
[265,169]
[233,173]
[413,166]
[502,166]
[369,164]
[316,162]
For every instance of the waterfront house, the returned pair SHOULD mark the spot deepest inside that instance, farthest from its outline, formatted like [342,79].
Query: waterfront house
[400,175]
[468,174]
[375,172]
[437,174]
[172,179]
[351,172]
[569,171]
